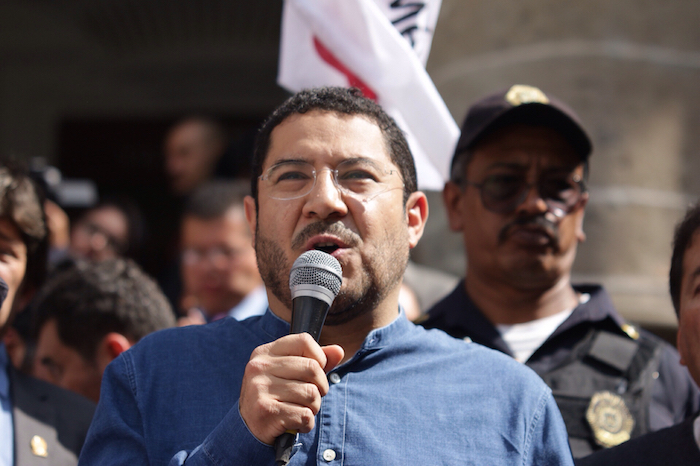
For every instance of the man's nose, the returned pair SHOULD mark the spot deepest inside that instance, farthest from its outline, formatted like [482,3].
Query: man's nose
[533,201]
[325,198]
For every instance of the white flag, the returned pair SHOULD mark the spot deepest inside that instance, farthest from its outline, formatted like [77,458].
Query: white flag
[353,43]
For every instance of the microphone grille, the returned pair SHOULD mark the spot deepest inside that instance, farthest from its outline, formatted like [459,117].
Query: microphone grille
[317,268]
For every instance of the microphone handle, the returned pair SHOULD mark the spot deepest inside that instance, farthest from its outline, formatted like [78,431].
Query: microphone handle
[308,315]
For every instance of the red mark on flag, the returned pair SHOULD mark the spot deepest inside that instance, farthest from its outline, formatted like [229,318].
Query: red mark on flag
[353,80]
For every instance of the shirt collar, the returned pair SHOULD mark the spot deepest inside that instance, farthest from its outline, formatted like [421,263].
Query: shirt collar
[385,336]
[273,325]
[376,339]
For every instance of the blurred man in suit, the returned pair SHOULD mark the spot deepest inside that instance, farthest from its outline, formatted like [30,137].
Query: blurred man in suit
[217,260]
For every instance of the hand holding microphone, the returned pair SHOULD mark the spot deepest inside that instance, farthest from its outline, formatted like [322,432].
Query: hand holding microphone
[281,391]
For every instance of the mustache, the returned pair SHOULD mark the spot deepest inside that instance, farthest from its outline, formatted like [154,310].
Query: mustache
[345,234]
[541,222]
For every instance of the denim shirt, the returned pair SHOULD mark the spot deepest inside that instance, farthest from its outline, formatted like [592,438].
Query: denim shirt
[409,396]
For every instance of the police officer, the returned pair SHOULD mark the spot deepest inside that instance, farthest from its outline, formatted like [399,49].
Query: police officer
[517,193]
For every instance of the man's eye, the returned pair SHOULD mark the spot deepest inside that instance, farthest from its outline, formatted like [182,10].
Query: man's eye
[356,175]
[504,182]
[7,253]
[291,175]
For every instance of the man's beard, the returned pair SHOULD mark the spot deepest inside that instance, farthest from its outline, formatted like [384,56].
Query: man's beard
[376,278]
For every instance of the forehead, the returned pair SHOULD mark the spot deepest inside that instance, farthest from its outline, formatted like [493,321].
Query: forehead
[524,144]
[229,227]
[322,137]
[9,233]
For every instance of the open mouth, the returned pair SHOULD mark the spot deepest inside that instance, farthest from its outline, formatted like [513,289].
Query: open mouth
[327,247]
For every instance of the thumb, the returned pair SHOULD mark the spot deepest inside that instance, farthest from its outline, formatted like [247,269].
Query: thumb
[334,354]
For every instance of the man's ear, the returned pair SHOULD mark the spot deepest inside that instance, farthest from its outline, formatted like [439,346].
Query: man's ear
[680,346]
[112,345]
[452,197]
[416,215]
[251,216]
[580,234]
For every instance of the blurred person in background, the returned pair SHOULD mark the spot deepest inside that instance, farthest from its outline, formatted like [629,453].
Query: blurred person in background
[38,421]
[193,147]
[87,314]
[218,265]
[113,228]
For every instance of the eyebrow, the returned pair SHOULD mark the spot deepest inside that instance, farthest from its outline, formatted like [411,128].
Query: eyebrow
[512,165]
[351,159]
[291,160]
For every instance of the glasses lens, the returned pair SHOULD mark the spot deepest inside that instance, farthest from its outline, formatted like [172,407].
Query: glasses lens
[288,180]
[562,192]
[503,193]
[362,178]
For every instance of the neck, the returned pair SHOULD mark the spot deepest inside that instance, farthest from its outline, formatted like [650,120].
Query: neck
[349,335]
[503,303]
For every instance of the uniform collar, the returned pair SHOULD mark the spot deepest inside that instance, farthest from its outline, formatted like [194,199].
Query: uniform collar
[458,315]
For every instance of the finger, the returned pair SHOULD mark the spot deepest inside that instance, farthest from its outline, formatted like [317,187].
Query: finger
[298,344]
[300,394]
[334,354]
[293,417]
[285,369]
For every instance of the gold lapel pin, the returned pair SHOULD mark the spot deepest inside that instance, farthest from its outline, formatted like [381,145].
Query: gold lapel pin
[39,446]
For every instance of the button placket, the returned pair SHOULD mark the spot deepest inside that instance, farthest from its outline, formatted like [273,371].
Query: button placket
[331,421]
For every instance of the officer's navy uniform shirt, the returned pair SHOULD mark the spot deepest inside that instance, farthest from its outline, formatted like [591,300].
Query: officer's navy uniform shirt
[675,396]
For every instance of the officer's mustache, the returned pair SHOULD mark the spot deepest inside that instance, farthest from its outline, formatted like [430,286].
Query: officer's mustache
[546,223]
[343,233]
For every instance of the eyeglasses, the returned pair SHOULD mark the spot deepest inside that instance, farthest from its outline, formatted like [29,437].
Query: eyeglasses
[219,256]
[360,178]
[503,193]
[104,240]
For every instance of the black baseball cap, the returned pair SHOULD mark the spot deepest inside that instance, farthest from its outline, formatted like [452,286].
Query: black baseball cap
[522,104]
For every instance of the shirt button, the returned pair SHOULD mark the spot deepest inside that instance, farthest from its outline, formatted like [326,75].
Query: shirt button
[334,378]
[329,455]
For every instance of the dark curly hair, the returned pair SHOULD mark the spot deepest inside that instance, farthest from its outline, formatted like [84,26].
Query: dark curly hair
[346,102]
[682,241]
[89,300]
[22,203]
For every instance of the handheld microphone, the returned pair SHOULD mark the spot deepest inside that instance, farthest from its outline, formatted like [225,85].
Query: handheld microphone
[314,281]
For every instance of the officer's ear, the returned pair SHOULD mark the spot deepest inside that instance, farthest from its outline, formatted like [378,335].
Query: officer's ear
[580,214]
[453,198]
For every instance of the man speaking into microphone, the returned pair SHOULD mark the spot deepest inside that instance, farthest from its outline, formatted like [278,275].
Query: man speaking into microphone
[333,173]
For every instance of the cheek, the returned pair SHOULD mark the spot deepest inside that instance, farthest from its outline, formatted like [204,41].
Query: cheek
[278,220]
[12,273]
[481,230]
